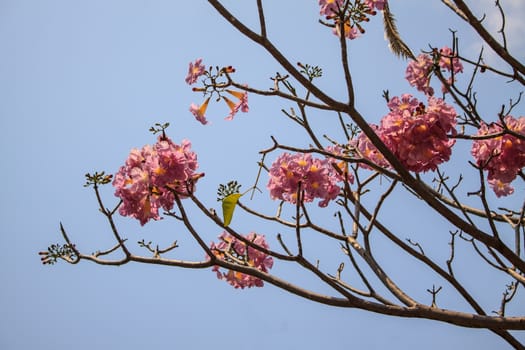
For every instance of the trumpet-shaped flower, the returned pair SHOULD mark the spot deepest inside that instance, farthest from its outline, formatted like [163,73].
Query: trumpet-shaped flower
[195,70]
[350,31]
[503,155]
[243,99]
[314,178]
[235,251]
[150,175]
[200,111]
[235,107]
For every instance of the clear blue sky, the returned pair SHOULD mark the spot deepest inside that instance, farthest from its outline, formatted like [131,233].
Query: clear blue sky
[81,82]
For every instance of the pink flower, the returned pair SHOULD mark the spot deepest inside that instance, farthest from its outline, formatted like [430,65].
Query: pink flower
[243,100]
[350,31]
[200,111]
[442,114]
[368,151]
[447,57]
[317,177]
[348,16]
[241,105]
[342,172]
[195,70]
[501,156]
[233,250]
[146,181]
[378,4]
[418,74]
[330,7]
[500,188]
[404,104]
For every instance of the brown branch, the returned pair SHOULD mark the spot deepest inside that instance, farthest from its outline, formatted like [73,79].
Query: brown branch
[109,216]
[300,196]
[264,42]
[455,9]
[344,63]
[408,179]
[262,20]
[420,189]
[454,202]
[281,94]
[485,35]
[418,311]
[228,229]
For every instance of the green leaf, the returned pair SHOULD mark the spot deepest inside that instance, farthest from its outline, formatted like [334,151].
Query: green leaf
[228,206]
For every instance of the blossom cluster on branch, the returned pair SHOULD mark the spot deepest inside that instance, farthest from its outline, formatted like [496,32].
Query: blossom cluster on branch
[420,71]
[414,135]
[293,175]
[502,155]
[234,250]
[349,15]
[152,176]
[421,137]
[418,135]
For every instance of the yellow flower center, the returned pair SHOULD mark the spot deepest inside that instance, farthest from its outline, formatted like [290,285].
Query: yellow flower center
[159,171]
[507,144]
[422,128]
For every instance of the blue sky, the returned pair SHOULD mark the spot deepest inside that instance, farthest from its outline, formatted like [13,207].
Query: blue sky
[81,83]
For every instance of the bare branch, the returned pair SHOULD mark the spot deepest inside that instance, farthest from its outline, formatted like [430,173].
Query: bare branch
[499,49]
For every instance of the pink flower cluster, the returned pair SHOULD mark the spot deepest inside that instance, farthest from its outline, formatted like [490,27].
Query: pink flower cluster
[418,135]
[233,250]
[146,181]
[356,13]
[502,156]
[368,151]
[318,178]
[419,72]
[331,7]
